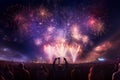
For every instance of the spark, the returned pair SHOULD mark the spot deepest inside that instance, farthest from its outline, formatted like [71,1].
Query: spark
[50,29]
[43,13]
[38,41]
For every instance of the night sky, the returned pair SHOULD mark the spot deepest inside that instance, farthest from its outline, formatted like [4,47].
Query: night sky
[81,30]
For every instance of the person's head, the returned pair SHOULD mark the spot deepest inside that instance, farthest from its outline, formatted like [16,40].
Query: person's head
[7,68]
[41,67]
[21,66]
[60,67]
[118,66]
[1,77]
[91,68]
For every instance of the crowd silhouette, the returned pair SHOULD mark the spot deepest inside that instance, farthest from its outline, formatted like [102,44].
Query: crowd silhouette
[59,71]
[116,75]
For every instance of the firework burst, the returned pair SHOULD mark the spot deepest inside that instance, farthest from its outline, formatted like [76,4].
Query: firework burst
[59,36]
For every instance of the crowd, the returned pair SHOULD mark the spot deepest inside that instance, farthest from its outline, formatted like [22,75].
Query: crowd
[58,71]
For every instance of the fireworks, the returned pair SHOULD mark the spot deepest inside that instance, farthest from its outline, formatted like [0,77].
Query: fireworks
[74,49]
[95,25]
[75,32]
[43,14]
[50,29]
[59,37]
[38,41]
[62,50]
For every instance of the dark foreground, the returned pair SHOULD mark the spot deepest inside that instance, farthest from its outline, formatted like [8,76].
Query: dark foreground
[37,71]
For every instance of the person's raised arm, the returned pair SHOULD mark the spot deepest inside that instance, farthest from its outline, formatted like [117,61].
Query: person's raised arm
[58,60]
[66,63]
[54,62]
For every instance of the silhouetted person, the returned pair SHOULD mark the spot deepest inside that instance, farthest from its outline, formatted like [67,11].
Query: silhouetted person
[8,74]
[59,71]
[116,75]
[1,77]
[22,73]
[75,74]
[42,73]
[95,73]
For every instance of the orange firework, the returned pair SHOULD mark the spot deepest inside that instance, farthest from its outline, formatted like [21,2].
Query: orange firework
[62,49]
[43,13]
[74,49]
[75,32]
[49,50]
